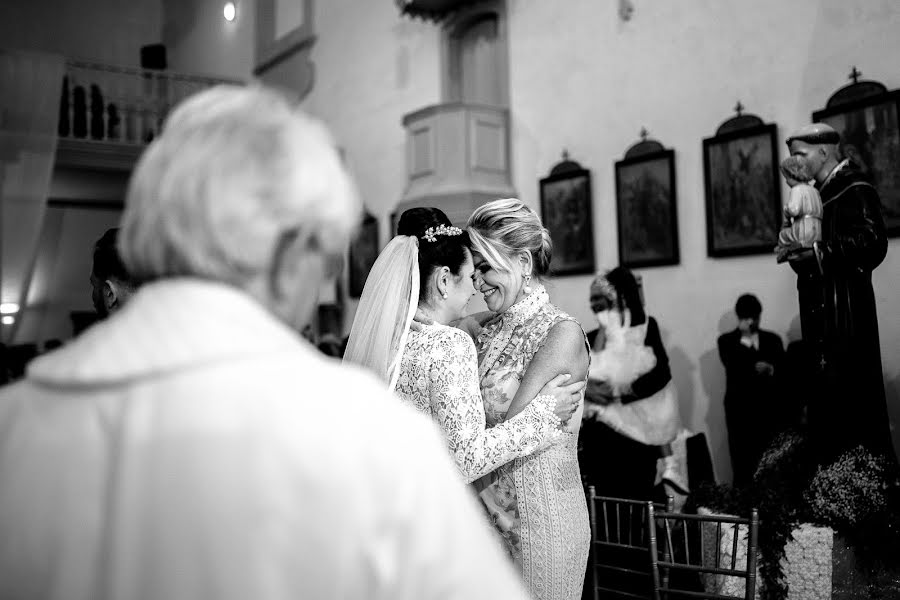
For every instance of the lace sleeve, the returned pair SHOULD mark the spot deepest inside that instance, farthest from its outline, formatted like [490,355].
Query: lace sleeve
[458,408]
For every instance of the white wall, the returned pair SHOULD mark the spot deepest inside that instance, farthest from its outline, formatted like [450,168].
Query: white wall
[110,31]
[200,41]
[372,68]
[678,68]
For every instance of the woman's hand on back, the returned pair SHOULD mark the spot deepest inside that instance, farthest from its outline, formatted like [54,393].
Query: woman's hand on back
[567,395]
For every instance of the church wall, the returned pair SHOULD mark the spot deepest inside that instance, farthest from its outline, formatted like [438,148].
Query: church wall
[200,41]
[371,69]
[678,69]
[109,31]
[583,80]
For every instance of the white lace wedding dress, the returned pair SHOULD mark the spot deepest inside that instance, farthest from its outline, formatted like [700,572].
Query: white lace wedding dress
[439,377]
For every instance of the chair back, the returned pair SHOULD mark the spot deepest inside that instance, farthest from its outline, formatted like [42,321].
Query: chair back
[719,550]
[620,562]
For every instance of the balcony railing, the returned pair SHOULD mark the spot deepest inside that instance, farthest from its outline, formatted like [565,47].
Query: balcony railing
[108,113]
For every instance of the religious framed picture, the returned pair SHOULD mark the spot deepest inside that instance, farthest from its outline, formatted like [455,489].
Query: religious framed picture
[870,137]
[646,209]
[282,28]
[743,191]
[362,255]
[566,213]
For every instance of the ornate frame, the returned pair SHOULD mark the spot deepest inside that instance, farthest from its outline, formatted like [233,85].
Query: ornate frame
[566,212]
[720,195]
[644,155]
[864,108]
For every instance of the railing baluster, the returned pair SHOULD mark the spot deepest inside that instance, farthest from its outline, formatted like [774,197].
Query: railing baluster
[734,544]
[630,523]
[605,521]
[618,525]
[668,528]
[718,543]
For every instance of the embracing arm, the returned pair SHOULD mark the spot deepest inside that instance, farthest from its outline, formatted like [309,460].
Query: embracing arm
[473,323]
[564,351]
[458,408]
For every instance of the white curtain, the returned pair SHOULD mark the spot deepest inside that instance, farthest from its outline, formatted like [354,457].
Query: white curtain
[30,87]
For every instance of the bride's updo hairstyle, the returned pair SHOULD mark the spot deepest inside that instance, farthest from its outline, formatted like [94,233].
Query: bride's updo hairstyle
[503,228]
[436,247]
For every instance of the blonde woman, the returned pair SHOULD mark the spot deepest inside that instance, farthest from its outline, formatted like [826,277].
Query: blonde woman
[536,502]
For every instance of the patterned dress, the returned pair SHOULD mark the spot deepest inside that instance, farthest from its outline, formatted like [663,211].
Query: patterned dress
[536,502]
[439,377]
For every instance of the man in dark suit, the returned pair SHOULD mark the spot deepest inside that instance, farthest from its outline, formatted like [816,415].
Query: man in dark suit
[752,358]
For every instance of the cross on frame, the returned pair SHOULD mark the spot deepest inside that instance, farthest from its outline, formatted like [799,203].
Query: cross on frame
[855,74]
[644,134]
[739,108]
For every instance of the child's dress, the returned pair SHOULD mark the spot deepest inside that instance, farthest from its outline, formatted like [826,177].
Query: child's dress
[653,420]
[804,212]
[624,357]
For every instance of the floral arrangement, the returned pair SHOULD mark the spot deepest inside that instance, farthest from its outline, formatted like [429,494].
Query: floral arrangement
[857,495]
[848,491]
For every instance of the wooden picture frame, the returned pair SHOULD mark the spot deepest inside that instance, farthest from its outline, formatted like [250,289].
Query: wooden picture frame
[566,213]
[870,137]
[743,191]
[646,210]
[362,255]
[282,28]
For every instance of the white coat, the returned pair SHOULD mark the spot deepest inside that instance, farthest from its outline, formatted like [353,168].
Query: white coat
[194,447]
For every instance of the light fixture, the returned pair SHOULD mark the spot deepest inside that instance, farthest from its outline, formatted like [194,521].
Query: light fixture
[7,319]
[9,308]
[230,11]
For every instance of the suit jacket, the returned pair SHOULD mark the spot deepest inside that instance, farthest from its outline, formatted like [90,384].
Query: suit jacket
[745,388]
[192,446]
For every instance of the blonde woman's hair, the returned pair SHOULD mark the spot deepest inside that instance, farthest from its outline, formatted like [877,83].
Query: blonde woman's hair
[501,229]
[234,169]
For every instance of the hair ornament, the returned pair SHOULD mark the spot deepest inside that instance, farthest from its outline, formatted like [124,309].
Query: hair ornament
[432,232]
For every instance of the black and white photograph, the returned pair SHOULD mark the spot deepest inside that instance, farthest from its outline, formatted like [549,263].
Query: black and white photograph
[449,300]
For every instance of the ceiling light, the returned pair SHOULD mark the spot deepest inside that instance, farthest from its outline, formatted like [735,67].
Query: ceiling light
[7,319]
[9,308]
[230,11]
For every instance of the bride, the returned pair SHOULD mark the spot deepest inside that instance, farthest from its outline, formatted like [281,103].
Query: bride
[428,267]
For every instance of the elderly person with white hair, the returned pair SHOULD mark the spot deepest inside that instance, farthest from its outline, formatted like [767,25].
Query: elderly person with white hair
[188,447]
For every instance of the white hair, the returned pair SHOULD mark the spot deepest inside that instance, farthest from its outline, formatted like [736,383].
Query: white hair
[233,170]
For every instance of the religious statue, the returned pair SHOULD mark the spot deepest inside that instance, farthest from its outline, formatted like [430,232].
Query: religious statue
[837,303]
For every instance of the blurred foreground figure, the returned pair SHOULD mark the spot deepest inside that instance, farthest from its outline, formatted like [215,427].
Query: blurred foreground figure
[193,445]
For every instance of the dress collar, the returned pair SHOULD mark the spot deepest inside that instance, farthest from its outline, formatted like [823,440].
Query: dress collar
[169,325]
[526,308]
